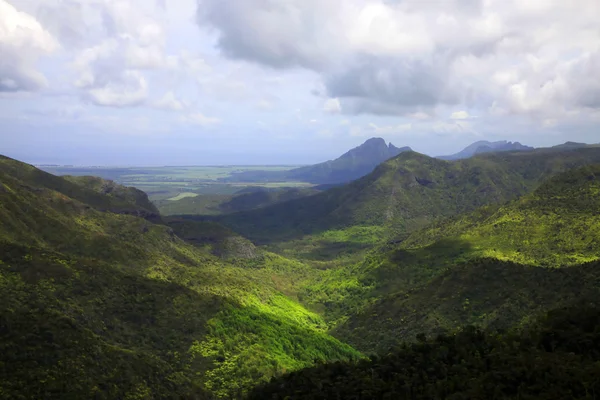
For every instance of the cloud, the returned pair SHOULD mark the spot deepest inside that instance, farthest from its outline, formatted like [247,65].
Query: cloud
[169,102]
[373,129]
[459,115]
[401,58]
[332,106]
[115,88]
[22,42]
[264,105]
[276,33]
[201,119]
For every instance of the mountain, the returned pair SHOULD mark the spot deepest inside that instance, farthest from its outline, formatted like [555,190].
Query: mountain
[484,146]
[573,145]
[408,192]
[101,299]
[350,166]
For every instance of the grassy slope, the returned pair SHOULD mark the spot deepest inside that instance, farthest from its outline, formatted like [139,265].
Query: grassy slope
[408,192]
[147,314]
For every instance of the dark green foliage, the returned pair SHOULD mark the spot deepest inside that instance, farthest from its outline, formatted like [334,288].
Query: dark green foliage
[484,292]
[557,358]
[91,293]
[556,225]
[72,329]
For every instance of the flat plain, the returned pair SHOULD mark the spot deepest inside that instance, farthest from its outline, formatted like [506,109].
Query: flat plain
[178,182]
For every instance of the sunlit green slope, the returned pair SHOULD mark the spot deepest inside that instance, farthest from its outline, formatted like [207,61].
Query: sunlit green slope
[98,302]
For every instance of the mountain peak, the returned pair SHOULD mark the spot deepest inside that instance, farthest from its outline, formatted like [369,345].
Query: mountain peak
[374,142]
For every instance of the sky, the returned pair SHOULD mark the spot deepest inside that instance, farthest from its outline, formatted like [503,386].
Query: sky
[204,82]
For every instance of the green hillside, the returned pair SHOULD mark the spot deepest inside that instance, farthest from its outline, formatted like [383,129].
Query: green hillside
[481,268]
[558,224]
[409,192]
[98,302]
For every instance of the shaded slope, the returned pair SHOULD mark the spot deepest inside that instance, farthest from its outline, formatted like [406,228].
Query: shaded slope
[484,292]
[408,192]
[556,358]
[132,310]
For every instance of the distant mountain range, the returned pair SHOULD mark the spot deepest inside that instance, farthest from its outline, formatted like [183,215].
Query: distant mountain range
[483,146]
[352,165]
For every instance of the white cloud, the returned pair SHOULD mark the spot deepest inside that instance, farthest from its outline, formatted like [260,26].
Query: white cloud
[123,89]
[264,105]
[452,127]
[169,102]
[459,115]
[332,106]
[22,42]
[373,129]
[110,72]
[406,58]
[201,119]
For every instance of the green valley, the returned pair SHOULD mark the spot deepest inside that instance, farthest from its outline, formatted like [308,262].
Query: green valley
[99,287]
